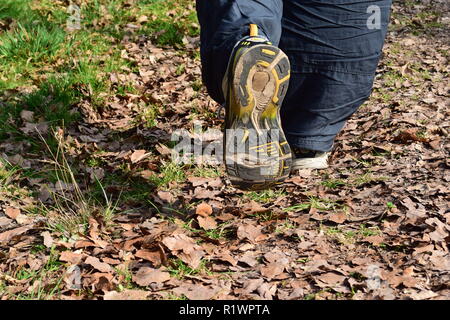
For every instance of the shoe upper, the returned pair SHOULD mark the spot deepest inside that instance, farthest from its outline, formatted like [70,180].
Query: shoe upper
[309,159]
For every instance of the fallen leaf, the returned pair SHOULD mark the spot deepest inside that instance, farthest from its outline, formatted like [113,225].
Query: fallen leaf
[192,259]
[10,234]
[103,281]
[111,261]
[215,183]
[142,19]
[179,242]
[204,210]
[71,257]
[97,264]
[266,291]
[166,196]
[185,248]
[337,217]
[23,219]
[375,240]
[277,257]
[4,221]
[423,295]
[11,212]
[408,135]
[153,256]
[271,270]
[196,292]
[84,244]
[202,193]
[246,247]
[138,155]
[145,276]
[27,115]
[207,223]
[163,150]
[249,259]
[197,181]
[93,228]
[72,277]
[35,264]
[250,232]
[251,285]
[330,279]
[126,295]
[48,240]
[227,258]
[253,207]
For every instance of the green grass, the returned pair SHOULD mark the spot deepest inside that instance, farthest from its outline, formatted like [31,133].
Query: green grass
[365,231]
[178,269]
[169,29]
[48,70]
[169,172]
[367,178]
[356,180]
[390,205]
[333,183]
[132,190]
[7,172]
[284,226]
[303,260]
[424,21]
[125,279]
[71,208]
[206,171]
[38,51]
[147,116]
[167,20]
[221,232]
[350,236]
[320,204]
[266,216]
[265,196]
[32,44]
[10,188]
[171,296]
[64,67]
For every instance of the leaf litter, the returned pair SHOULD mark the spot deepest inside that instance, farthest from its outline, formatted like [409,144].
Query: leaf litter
[373,226]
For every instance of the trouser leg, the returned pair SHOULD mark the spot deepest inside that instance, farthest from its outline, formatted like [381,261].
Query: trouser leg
[334,47]
[223,23]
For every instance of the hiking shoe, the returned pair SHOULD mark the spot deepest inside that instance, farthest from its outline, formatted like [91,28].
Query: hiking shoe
[308,159]
[256,153]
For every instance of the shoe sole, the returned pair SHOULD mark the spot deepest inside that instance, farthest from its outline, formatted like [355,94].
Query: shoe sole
[257,154]
[312,166]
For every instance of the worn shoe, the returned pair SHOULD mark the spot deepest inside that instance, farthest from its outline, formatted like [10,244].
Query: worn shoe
[307,159]
[257,155]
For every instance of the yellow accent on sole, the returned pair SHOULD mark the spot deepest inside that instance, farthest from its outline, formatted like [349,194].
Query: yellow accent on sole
[269,52]
[253,30]
[263,63]
[245,137]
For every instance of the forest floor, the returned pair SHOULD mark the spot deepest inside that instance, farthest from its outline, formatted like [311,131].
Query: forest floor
[93,207]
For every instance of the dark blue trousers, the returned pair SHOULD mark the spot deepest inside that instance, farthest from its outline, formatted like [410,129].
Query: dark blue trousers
[334,47]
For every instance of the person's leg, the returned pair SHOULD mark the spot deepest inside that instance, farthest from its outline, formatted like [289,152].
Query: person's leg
[238,39]
[334,47]
[223,23]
